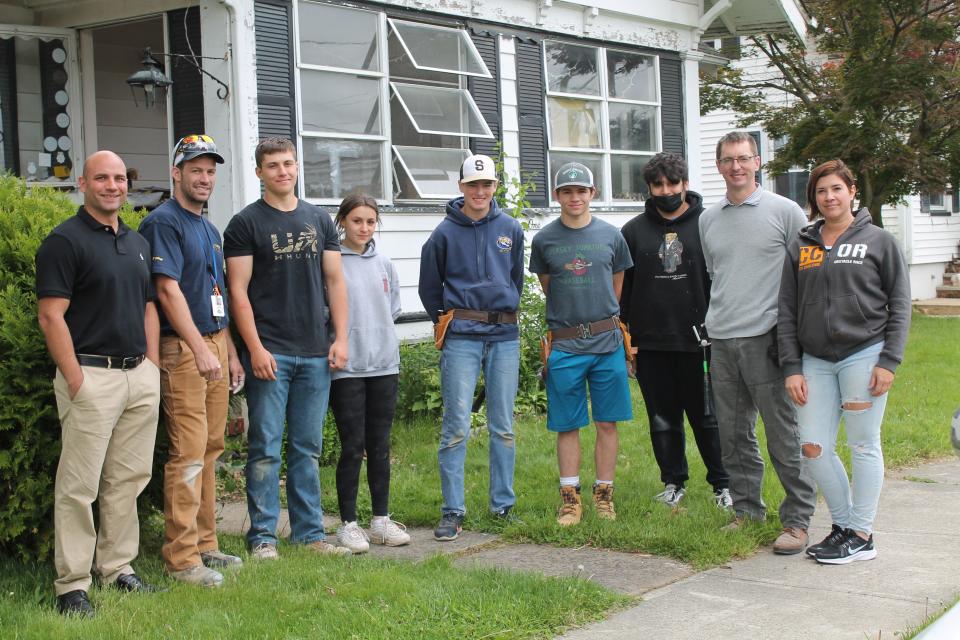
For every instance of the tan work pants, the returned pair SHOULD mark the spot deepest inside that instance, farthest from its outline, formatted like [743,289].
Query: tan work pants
[108,431]
[196,416]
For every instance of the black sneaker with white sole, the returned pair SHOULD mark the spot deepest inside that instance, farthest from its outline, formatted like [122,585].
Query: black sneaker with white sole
[449,527]
[833,538]
[851,549]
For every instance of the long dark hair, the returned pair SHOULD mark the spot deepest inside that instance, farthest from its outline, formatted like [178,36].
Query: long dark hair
[353,201]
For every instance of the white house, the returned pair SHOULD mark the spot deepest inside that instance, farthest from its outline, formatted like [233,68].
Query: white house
[383,96]
[927,226]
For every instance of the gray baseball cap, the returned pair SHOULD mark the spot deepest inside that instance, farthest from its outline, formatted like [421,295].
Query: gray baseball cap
[573,174]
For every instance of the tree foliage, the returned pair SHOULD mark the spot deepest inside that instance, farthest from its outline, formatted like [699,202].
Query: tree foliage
[877,84]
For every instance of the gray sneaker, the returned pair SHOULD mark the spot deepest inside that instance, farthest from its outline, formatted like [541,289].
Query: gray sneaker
[265,551]
[325,548]
[217,559]
[671,495]
[199,575]
[723,499]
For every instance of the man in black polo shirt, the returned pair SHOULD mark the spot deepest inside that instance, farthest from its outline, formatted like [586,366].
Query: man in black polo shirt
[195,354]
[97,313]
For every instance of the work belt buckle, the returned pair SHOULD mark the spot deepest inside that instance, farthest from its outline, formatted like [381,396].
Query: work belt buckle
[494,317]
[583,331]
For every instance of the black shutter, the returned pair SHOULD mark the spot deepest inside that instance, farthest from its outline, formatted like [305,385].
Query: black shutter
[186,94]
[925,202]
[532,114]
[53,78]
[8,105]
[671,106]
[486,93]
[273,24]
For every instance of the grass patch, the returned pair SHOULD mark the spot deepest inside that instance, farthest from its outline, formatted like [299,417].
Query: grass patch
[912,632]
[307,596]
[915,429]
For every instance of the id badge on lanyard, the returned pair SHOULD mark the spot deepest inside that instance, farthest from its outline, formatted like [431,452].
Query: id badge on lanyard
[216,301]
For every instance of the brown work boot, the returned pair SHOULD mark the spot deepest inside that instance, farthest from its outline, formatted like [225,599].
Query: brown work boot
[570,510]
[603,501]
[792,540]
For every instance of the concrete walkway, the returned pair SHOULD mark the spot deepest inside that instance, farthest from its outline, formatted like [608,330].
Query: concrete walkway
[916,572]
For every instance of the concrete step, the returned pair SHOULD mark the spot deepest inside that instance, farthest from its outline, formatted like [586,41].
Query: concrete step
[951,279]
[951,291]
[938,307]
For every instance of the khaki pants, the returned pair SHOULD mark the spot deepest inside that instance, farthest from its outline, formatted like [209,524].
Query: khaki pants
[196,416]
[109,430]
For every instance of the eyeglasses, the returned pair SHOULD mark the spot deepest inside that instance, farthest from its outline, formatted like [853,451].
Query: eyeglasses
[741,160]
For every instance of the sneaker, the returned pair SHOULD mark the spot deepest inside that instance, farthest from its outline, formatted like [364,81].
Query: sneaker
[603,501]
[449,527]
[75,603]
[671,495]
[352,537]
[791,540]
[388,532]
[324,548]
[739,522]
[507,517]
[199,575]
[833,538]
[851,549]
[265,551]
[217,559]
[570,508]
[723,500]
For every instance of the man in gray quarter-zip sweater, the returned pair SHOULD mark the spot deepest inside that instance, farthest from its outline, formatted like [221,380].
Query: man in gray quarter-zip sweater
[745,238]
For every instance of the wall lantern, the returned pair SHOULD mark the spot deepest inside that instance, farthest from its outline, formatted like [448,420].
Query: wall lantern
[154,82]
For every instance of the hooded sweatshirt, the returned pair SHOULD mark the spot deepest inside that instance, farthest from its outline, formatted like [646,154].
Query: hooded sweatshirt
[835,302]
[467,264]
[373,293]
[666,292]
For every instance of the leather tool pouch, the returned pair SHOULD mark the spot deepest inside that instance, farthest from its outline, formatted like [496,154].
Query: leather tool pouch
[440,329]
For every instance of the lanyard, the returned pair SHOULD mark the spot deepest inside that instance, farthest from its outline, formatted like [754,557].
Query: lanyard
[206,243]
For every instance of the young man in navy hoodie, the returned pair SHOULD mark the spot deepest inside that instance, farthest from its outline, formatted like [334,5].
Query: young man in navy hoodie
[471,278]
[665,295]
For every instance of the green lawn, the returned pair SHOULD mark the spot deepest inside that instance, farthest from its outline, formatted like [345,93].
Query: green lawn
[915,428]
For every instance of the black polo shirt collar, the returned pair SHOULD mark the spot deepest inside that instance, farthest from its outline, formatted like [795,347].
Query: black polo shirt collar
[96,225]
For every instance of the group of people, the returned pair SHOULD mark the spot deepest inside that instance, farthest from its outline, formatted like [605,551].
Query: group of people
[139,321]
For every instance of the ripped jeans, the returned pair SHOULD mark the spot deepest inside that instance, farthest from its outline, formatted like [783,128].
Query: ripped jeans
[831,386]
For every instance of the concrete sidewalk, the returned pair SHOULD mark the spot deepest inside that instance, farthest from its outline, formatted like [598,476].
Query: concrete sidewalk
[916,572]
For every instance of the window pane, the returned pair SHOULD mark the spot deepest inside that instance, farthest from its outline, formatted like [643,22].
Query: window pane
[793,185]
[439,48]
[626,173]
[572,68]
[338,37]
[633,127]
[574,123]
[593,161]
[340,102]
[441,110]
[433,173]
[335,168]
[631,76]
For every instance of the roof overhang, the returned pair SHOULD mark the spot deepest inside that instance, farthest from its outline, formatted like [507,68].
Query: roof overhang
[723,18]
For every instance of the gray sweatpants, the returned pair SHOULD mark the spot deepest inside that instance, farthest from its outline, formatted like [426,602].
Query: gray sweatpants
[747,378]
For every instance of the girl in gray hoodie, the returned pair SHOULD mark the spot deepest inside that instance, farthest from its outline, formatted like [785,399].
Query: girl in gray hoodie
[363,395]
[844,315]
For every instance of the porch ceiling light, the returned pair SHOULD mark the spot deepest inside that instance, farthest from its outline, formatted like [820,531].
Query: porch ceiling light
[150,78]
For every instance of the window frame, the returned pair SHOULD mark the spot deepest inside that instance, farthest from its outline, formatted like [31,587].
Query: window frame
[391,22]
[74,109]
[605,151]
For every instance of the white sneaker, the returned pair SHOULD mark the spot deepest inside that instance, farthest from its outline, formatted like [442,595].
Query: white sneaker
[670,495]
[265,551]
[386,531]
[723,500]
[351,536]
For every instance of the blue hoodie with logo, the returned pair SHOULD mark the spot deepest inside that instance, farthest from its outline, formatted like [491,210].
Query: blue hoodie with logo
[467,264]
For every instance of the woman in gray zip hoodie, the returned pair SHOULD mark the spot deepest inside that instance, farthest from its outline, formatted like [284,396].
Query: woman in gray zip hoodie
[844,315]
[363,395]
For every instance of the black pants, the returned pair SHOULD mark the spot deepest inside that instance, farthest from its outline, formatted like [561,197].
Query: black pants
[672,384]
[363,409]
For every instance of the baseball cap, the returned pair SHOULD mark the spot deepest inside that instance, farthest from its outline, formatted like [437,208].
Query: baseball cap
[478,167]
[194,146]
[573,174]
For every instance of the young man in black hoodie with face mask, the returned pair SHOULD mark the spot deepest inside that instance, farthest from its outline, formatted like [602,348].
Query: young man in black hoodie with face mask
[665,295]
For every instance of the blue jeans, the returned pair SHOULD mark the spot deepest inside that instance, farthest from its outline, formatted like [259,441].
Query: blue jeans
[829,386]
[460,365]
[299,394]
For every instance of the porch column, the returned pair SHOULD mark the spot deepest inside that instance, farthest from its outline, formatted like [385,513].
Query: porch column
[691,115]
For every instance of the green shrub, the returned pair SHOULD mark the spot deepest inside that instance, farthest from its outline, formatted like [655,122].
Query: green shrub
[29,428]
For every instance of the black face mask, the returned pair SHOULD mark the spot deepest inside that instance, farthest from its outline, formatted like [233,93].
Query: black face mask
[668,204]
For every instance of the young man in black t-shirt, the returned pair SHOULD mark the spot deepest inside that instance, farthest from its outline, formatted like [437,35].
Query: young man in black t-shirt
[97,314]
[286,284]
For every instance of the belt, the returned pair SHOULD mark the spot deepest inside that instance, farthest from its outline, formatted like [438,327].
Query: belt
[110,362]
[490,317]
[587,330]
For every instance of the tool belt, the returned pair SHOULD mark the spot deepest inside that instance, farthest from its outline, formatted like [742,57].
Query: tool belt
[587,330]
[488,317]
